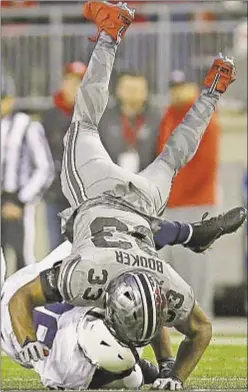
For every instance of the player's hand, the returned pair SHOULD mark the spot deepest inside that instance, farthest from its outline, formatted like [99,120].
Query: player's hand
[11,211]
[221,74]
[33,351]
[168,384]
[165,367]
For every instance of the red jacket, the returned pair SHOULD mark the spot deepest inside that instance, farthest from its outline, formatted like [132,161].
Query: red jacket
[196,183]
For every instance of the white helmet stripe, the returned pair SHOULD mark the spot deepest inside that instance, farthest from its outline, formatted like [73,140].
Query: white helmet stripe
[145,307]
[150,305]
[153,305]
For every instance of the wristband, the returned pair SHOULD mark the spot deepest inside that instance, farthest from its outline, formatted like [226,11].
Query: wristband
[27,341]
[165,359]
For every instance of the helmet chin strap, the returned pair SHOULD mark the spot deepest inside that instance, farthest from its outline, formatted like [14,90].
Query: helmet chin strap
[95,314]
[134,352]
[129,345]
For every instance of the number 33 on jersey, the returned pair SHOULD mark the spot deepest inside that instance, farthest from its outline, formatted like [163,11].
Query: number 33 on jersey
[83,278]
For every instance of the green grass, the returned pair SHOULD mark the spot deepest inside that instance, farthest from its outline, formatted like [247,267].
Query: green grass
[222,367]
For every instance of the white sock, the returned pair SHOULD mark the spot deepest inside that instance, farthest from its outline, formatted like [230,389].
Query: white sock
[190,234]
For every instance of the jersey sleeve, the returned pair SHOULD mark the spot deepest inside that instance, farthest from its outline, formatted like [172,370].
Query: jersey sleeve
[180,298]
[54,371]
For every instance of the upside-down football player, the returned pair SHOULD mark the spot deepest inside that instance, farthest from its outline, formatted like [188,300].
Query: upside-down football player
[113,262]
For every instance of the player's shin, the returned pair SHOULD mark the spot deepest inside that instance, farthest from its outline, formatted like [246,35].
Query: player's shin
[3,268]
[92,97]
[186,138]
[112,22]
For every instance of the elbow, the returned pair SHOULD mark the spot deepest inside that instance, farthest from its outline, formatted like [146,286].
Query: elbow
[48,173]
[49,170]
[205,331]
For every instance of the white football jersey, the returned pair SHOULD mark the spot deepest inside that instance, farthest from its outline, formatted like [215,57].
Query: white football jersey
[66,366]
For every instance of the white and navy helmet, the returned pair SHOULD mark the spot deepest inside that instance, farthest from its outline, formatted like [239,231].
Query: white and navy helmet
[102,348]
[135,308]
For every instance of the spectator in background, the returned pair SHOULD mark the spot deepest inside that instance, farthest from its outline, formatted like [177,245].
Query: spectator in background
[245,190]
[18,3]
[26,171]
[56,121]
[129,129]
[194,190]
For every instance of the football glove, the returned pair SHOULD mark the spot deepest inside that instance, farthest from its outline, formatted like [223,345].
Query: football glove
[33,351]
[168,384]
[221,74]
[165,367]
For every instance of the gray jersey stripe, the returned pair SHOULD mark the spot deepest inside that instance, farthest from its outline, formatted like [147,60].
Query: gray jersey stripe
[66,171]
[74,167]
[64,279]
[73,177]
[66,159]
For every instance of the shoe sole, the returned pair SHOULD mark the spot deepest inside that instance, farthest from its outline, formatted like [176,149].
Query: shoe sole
[236,221]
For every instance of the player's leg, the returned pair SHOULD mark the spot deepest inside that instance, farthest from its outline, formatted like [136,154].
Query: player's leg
[13,236]
[185,139]
[18,241]
[29,225]
[9,342]
[3,267]
[4,243]
[85,161]
[181,146]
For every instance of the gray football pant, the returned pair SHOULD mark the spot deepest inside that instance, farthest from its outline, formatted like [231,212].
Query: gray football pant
[87,169]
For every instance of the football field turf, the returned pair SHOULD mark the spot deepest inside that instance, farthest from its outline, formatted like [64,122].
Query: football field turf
[223,367]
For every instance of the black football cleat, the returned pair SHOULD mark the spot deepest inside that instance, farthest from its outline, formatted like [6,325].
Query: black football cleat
[149,371]
[206,232]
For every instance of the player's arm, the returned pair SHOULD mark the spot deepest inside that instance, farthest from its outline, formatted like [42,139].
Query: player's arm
[38,292]
[162,348]
[21,306]
[198,331]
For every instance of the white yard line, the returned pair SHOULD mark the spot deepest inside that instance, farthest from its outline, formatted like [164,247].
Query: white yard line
[218,341]
[193,379]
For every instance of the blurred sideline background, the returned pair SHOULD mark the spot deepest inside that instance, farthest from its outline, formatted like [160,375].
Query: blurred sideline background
[38,40]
